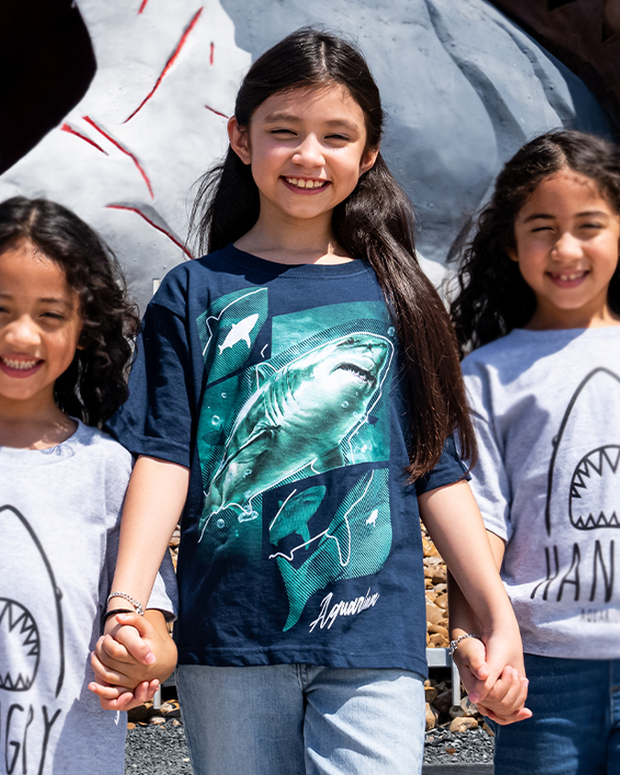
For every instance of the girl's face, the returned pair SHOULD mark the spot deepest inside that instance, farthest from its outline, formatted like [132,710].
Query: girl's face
[40,326]
[567,242]
[307,150]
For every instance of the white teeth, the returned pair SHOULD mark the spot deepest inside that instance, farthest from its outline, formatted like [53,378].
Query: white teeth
[19,365]
[302,183]
[571,276]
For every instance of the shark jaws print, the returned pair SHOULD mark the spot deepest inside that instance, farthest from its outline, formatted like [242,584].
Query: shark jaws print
[311,403]
[26,660]
[590,457]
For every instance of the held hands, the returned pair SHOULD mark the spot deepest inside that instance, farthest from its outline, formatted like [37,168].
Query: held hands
[131,660]
[498,689]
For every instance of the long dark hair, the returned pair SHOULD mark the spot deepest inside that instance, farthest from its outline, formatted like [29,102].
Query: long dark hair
[374,223]
[94,385]
[493,297]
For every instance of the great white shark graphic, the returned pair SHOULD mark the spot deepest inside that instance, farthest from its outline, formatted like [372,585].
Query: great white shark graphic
[298,418]
[584,471]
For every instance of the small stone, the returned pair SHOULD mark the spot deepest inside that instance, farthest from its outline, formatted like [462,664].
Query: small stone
[130,725]
[462,724]
[470,709]
[488,729]
[438,629]
[443,701]
[441,601]
[434,614]
[431,717]
[437,640]
[176,723]
[141,712]
[157,720]
[456,711]
[430,693]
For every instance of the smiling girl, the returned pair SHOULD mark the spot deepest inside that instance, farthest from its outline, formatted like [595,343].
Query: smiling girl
[64,319]
[540,303]
[294,396]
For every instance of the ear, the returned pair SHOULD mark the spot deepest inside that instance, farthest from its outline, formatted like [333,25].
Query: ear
[368,160]
[239,138]
[512,255]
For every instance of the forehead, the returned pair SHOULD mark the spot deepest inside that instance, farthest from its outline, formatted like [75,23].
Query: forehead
[567,192]
[331,101]
[25,270]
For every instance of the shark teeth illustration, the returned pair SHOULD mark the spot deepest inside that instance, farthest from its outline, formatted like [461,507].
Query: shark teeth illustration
[587,484]
[18,635]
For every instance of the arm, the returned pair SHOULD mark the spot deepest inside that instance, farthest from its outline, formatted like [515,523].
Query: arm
[153,505]
[453,520]
[123,679]
[504,701]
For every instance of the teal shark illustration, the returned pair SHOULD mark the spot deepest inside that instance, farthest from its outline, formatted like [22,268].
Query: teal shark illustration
[295,513]
[356,543]
[297,419]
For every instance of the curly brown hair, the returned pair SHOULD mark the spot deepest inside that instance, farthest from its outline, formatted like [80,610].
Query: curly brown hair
[494,298]
[95,384]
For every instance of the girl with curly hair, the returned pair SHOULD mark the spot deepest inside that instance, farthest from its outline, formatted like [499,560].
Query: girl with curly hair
[64,323]
[540,306]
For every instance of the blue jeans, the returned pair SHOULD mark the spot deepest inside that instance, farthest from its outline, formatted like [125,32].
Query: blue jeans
[302,720]
[575,727]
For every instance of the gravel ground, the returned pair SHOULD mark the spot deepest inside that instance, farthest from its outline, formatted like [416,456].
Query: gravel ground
[161,750]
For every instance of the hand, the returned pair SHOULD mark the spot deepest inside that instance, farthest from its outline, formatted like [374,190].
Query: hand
[119,698]
[499,695]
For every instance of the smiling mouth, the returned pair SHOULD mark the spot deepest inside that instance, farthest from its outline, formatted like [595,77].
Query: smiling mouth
[19,365]
[306,184]
[592,502]
[568,277]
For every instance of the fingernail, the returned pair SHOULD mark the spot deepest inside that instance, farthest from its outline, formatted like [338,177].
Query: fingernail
[150,659]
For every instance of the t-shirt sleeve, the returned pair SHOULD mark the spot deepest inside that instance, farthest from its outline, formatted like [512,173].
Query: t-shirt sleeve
[156,420]
[448,470]
[489,480]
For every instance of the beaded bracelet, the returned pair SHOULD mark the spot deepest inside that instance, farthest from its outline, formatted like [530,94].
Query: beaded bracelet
[135,603]
[454,644]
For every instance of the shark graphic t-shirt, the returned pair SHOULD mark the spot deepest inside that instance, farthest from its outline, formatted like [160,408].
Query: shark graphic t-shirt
[59,525]
[547,414]
[278,386]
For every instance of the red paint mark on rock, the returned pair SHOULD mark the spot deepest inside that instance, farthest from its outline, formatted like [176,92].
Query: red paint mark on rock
[123,150]
[162,227]
[169,63]
[212,53]
[72,131]
[143,6]
[217,112]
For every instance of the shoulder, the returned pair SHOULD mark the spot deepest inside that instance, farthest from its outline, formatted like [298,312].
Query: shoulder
[102,450]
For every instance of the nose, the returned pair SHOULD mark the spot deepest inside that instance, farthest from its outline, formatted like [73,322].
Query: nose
[22,333]
[567,247]
[309,152]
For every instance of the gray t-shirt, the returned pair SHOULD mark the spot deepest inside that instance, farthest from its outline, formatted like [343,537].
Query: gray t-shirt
[547,413]
[59,520]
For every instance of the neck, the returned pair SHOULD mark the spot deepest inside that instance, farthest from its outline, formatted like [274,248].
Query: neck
[550,320]
[290,241]
[38,430]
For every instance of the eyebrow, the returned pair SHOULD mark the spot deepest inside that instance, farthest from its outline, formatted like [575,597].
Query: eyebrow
[43,300]
[273,118]
[549,217]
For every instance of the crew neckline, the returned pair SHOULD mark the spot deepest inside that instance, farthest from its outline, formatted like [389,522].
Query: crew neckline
[50,455]
[274,268]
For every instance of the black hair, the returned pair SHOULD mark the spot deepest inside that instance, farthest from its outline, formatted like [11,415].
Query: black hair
[493,297]
[94,385]
[374,223]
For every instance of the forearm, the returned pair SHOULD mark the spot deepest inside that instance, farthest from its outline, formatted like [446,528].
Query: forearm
[453,520]
[153,505]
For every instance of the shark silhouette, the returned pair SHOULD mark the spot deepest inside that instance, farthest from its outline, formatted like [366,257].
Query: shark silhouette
[298,418]
[585,459]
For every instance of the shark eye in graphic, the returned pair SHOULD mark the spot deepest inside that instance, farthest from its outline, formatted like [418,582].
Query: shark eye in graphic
[591,506]
[19,647]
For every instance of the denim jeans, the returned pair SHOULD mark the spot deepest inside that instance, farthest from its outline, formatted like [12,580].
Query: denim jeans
[302,719]
[575,727]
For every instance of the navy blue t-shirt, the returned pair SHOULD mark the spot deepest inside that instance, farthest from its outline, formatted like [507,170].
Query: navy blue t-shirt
[278,386]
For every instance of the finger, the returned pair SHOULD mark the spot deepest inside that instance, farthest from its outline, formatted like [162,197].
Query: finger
[104,691]
[105,675]
[132,635]
[110,649]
